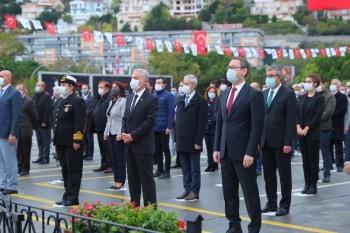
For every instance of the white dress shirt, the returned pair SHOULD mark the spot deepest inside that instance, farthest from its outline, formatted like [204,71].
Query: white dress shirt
[138,97]
[274,92]
[238,89]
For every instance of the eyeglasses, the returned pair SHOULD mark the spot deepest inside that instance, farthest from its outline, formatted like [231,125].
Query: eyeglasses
[272,76]
[234,67]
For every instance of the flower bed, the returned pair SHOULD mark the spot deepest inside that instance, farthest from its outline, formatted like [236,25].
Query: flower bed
[126,213]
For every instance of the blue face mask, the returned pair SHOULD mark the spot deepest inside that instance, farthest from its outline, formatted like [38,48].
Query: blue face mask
[173,93]
[211,95]
[37,89]
[231,76]
[62,90]
[270,82]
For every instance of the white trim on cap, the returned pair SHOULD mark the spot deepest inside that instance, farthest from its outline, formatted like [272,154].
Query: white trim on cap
[71,78]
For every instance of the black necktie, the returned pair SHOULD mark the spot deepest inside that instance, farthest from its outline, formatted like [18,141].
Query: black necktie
[133,104]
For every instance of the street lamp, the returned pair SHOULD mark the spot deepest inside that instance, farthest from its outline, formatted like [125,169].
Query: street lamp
[36,71]
[88,64]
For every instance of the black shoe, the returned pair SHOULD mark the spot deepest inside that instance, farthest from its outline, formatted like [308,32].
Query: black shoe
[258,172]
[322,169]
[214,168]
[267,209]
[2,189]
[61,202]
[208,168]
[44,161]
[70,203]
[9,191]
[165,175]
[281,212]
[175,166]
[24,173]
[339,169]
[157,174]
[155,163]
[87,158]
[37,161]
[326,179]
[312,189]
[306,188]
[231,230]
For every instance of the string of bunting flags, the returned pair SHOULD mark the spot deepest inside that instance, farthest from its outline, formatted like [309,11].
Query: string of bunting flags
[197,47]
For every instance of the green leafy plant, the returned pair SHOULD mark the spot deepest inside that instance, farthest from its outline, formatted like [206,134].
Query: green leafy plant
[128,214]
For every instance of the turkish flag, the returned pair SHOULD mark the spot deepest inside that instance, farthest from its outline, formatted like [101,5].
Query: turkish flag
[86,34]
[178,47]
[11,21]
[262,53]
[337,51]
[50,27]
[308,53]
[241,52]
[328,4]
[323,52]
[348,49]
[120,39]
[199,40]
[279,53]
[297,53]
[149,43]
[227,51]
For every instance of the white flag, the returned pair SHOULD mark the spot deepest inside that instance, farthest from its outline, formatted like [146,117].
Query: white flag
[248,54]
[186,49]
[128,38]
[103,70]
[302,52]
[168,46]
[60,28]
[121,70]
[328,52]
[159,45]
[109,37]
[333,52]
[268,51]
[234,51]
[74,29]
[313,52]
[98,37]
[291,53]
[285,53]
[25,23]
[37,25]
[274,53]
[139,42]
[208,48]
[194,49]
[254,52]
[219,50]
[342,51]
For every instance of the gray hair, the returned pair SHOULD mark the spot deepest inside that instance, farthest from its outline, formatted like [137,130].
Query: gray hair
[56,88]
[144,72]
[339,83]
[275,68]
[23,86]
[192,78]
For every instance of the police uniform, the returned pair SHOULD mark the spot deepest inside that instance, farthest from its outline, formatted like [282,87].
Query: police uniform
[69,125]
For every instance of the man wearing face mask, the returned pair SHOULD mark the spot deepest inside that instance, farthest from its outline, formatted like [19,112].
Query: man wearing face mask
[224,84]
[342,89]
[162,129]
[88,135]
[337,134]
[239,126]
[68,131]
[326,127]
[26,126]
[10,114]
[191,122]
[98,125]
[137,132]
[43,105]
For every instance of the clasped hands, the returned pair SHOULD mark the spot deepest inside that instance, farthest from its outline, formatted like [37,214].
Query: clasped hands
[302,132]
[247,160]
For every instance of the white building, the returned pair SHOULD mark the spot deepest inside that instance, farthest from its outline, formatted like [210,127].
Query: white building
[279,8]
[32,10]
[82,10]
[186,8]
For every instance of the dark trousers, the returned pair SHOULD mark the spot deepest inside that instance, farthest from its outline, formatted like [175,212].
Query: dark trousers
[23,153]
[89,144]
[71,162]
[117,150]
[310,155]
[273,159]
[209,142]
[326,154]
[339,158]
[140,175]
[162,145]
[191,171]
[233,173]
[104,151]
[43,137]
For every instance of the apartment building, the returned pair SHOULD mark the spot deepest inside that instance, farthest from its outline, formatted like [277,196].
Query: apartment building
[186,8]
[279,8]
[32,10]
[46,49]
[345,14]
[82,10]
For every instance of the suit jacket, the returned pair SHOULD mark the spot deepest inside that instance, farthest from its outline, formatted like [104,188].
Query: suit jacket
[191,122]
[29,118]
[10,114]
[115,117]
[69,122]
[139,124]
[329,105]
[279,123]
[43,103]
[99,110]
[341,107]
[240,131]
[89,103]
[347,147]
[211,117]
[311,117]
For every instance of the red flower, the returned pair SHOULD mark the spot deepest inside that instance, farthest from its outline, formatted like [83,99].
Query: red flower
[182,224]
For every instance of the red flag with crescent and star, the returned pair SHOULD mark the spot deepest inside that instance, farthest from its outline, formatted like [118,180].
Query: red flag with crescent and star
[120,39]
[149,43]
[328,4]
[241,52]
[227,51]
[178,47]
[11,21]
[86,34]
[337,51]
[297,53]
[308,53]
[279,53]
[323,52]
[199,40]
[261,53]
[50,27]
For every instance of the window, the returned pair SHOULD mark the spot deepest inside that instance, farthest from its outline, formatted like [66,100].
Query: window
[49,59]
[214,42]
[48,52]
[96,51]
[40,59]
[137,51]
[96,45]
[214,35]
[137,58]
[248,41]
[87,45]
[291,8]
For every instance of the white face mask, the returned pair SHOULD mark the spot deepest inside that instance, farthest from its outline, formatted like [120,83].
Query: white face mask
[319,89]
[187,89]
[181,90]
[265,88]
[231,76]
[159,87]
[223,87]
[302,91]
[297,93]
[1,81]
[343,92]
[333,88]
[101,91]
[134,84]
[308,86]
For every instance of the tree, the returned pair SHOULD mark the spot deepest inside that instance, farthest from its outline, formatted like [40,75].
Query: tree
[116,6]
[249,23]
[220,14]
[14,8]
[48,16]
[67,18]
[10,46]
[322,28]
[194,24]
[126,27]
[136,28]
[274,19]
[107,27]
[204,15]
[214,6]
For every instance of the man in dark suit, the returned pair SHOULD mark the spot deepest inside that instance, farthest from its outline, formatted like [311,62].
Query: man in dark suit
[337,134]
[239,126]
[43,105]
[277,140]
[88,136]
[138,122]
[347,153]
[27,123]
[191,122]
[10,114]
